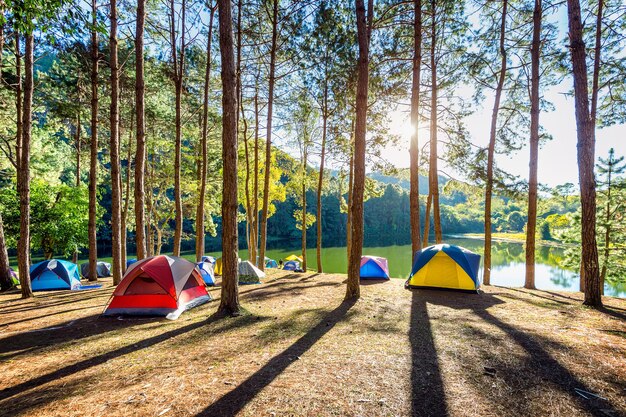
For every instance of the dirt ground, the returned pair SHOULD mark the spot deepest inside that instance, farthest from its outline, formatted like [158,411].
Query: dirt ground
[299,350]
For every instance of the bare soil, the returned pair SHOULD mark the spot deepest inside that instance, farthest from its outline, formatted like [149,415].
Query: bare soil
[300,350]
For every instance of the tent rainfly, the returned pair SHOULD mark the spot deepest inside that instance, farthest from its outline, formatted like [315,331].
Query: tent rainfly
[445,266]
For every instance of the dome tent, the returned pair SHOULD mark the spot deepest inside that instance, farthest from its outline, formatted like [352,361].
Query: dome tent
[206,271]
[249,274]
[445,266]
[158,286]
[103,269]
[293,257]
[291,265]
[54,274]
[374,267]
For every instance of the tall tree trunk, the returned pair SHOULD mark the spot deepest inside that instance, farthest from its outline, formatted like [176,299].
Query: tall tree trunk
[364,25]
[140,154]
[179,71]
[586,157]
[77,146]
[531,225]
[349,214]
[18,108]
[429,203]
[229,301]
[150,211]
[304,207]
[23,245]
[414,196]
[5,272]
[123,226]
[268,138]
[492,148]
[93,160]
[594,106]
[205,130]
[320,180]
[255,218]
[607,234]
[433,177]
[114,149]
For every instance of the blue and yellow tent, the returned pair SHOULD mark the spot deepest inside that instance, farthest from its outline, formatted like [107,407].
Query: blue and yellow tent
[445,266]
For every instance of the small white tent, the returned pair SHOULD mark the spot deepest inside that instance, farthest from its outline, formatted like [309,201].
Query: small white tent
[249,274]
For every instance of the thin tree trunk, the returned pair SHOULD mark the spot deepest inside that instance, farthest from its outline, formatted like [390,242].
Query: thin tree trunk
[594,107]
[434,172]
[93,160]
[150,211]
[255,218]
[205,127]
[179,71]
[607,234]
[304,206]
[77,145]
[414,196]
[123,226]
[268,139]
[247,184]
[114,146]
[364,25]
[5,272]
[140,154]
[531,225]
[586,157]
[18,108]
[492,148]
[349,215]
[320,181]
[425,236]
[229,300]
[23,246]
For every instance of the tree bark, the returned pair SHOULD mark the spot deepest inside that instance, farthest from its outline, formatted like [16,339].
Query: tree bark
[303,243]
[140,153]
[127,195]
[320,180]
[205,130]
[255,218]
[268,139]
[114,146]
[364,24]
[607,232]
[93,160]
[178,58]
[23,245]
[77,145]
[433,177]
[531,225]
[229,301]
[414,196]
[5,272]
[350,185]
[425,236]
[585,130]
[492,148]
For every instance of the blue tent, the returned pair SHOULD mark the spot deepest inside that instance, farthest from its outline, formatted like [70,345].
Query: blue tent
[445,266]
[54,275]
[130,261]
[270,263]
[209,259]
[291,265]
[206,270]
[374,267]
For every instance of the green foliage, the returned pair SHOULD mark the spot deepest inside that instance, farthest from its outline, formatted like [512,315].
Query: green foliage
[59,217]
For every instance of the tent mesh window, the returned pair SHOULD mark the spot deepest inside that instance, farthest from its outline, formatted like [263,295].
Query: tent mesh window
[144,285]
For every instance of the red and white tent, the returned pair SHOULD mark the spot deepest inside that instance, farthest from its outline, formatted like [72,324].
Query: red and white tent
[158,286]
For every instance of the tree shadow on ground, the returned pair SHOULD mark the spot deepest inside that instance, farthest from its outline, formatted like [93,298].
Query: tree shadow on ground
[235,400]
[428,397]
[546,368]
[366,282]
[53,313]
[47,301]
[18,398]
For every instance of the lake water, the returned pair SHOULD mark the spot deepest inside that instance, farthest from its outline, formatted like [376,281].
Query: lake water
[508,264]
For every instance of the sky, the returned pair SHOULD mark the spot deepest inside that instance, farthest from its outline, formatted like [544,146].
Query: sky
[557,158]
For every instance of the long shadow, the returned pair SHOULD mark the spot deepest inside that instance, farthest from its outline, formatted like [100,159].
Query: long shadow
[543,364]
[100,306]
[235,400]
[276,292]
[55,303]
[59,334]
[610,311]
[22,402]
